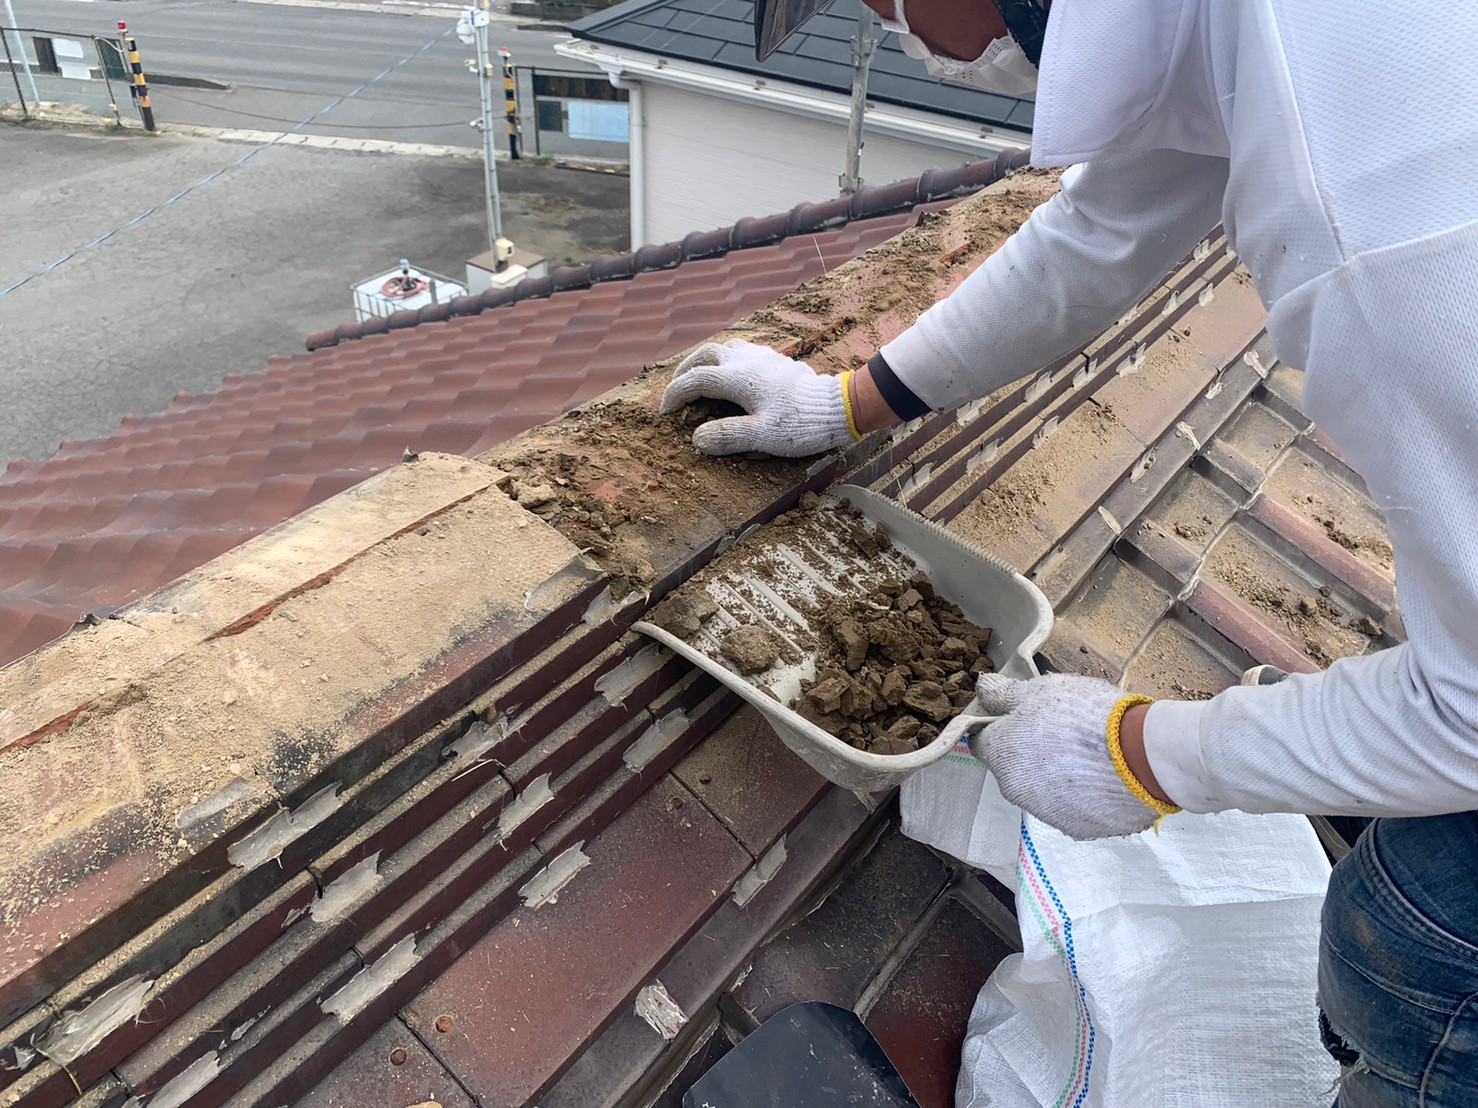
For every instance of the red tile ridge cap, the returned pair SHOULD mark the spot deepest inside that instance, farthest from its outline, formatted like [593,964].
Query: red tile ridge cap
[869,202]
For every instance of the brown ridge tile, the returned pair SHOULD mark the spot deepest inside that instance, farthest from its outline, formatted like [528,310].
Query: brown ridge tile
[1177,663]
[1233,621]
[527,997]
[747,777]
[301,951]
[712,959]
[441,867]
[391,1068]
[604,1075]
[760,232]
[1332,557]
[662,744]
[807,219]
[1114,611]
[920,1016]
[835,951]
[291,1073]
[183,969]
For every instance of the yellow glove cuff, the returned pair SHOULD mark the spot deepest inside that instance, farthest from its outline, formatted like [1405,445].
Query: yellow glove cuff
[847,405]
[1116,755]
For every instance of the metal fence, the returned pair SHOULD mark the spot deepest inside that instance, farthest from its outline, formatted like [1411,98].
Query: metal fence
[50,71]
[574,114]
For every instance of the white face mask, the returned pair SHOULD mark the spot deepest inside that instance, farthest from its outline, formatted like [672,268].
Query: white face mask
[1002,68]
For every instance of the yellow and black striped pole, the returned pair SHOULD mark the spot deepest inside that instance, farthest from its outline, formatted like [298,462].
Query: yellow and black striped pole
[510,103]
[140,87]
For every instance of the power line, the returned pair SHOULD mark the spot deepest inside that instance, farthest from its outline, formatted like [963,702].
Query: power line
[248,156]
[173,96]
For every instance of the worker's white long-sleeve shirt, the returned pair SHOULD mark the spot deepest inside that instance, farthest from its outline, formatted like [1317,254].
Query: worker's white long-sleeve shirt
[1339,144]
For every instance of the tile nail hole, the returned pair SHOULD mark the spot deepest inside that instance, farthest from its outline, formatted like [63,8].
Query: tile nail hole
[398,1056]
[443,1024]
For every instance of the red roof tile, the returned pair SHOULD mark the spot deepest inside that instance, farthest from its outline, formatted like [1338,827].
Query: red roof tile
[110,520]
[1199,478]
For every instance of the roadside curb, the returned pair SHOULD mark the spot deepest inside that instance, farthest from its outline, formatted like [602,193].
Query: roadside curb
[329,142]
[320,142]
[52,116]
[190,82]
[590,165]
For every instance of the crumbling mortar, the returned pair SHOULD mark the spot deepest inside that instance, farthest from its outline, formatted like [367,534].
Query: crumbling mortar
[252,618]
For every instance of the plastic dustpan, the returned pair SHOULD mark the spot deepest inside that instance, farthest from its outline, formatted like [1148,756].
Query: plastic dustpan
[805,564]
[810,1055]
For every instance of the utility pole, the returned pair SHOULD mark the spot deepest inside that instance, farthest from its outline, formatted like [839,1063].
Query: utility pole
[25,63]
[472,28]
[863,45]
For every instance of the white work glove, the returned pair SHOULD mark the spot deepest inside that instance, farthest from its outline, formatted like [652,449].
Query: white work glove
[793,411]
[1050,753]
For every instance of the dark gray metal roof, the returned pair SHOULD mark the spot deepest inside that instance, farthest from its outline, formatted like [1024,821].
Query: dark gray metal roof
[721,33]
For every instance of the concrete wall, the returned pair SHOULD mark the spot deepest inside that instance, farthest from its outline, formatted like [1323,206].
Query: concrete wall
[709,161]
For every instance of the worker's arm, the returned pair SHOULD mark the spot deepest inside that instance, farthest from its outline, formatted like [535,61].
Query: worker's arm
[1081,260]
[1387,339]
[1380,735]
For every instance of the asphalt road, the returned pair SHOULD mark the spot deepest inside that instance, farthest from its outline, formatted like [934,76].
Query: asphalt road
[285,61]
[245,267]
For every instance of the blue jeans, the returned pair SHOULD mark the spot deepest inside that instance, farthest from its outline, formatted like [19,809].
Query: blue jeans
[1398,965]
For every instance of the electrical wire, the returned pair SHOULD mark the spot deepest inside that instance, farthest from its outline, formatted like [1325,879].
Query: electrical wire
[171,97]
[248,156]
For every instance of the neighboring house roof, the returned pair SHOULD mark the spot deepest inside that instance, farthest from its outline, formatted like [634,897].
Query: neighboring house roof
[721,33]
[390,804]
[106,521]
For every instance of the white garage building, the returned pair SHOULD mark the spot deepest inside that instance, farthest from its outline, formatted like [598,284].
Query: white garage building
[716,136]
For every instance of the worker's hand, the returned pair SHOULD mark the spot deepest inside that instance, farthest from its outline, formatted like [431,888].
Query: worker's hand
[1050,753]
[793,411]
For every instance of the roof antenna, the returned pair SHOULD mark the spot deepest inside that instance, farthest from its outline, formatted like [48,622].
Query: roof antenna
[863,45]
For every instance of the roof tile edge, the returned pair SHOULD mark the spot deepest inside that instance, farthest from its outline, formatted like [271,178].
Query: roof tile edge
[868,202]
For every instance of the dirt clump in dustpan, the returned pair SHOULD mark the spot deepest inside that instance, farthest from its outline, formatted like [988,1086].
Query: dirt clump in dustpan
[825,615]
[893,668]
